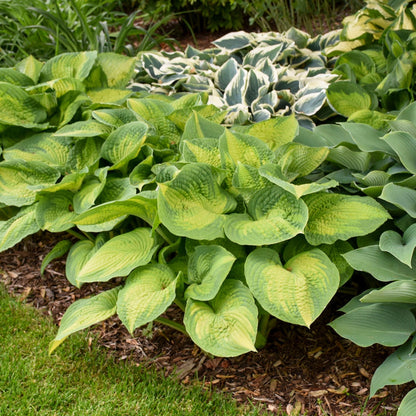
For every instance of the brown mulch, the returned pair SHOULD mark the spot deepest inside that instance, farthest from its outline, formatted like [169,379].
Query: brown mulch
[309,370]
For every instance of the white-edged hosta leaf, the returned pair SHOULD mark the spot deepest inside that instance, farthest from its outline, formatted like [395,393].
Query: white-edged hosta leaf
[400,196]
[20,181]
[297,292]
[274,215]
[385,324]
[261,52]
[226,73]
[234,93]
[310,102]
[335,217]
[58,250]
[124,144]
[54,211]
[18,227]
[383,266]
[198,126]
[73,64]
[119,256]
[256,87]
[408,404]
[395,292]
[204,150]
[117,68]
[89,128]
[85,312]
[400,247]
[274,174]
[234,41]
[114,117]
[208,267]
[404,145]
[193,204]
[148,292]
[225,326]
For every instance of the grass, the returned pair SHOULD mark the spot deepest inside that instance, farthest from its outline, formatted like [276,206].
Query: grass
[77,380]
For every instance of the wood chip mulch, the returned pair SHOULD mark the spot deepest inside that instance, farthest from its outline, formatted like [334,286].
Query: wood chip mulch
[312,371]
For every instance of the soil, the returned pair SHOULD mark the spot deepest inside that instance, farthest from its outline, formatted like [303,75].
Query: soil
[311,370]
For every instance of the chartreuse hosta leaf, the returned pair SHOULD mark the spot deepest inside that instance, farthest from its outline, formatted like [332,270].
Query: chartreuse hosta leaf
[225,326]
[18,227]
[335,217]
[400,247]
[85,312]
[14,77]
[273,173]
[203,150]
[114,117]
[193,205]
[124,144]
[118,69]
[274,215]
[198,126]
[31,67]
[298,291]
[119,256]
[59,250]
[208,267]
[148,292]
[89,128]
[20,181]
[84,154]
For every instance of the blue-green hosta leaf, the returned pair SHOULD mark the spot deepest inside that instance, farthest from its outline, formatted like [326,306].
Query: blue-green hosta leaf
[124,144]
[383,266]
[335,217]
[408,404]
[118,69]
[234,41]
[18,108]
[346,97]
[344,156]
[274,174]
[89,128]
[204,150]
[148,292]
[297,292]
[193,205]
[395,292]
[403,125]
[59,250]
[85,312]
[401,197]
[114,117]
[198,126]
[74,64]
[400,247]
[225,326]
[21,180]
[226,73]
[54,211]
[208,267]
[384,324]
[31,67]
[404,145]
[18,227]
[119,256]
[274,215]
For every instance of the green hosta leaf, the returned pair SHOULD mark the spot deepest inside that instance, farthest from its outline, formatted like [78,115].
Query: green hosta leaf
[117,68]
[396,292]
[193,205]
[89,128]
[404,145]
[383,266]
[401,197]
[400,247]
[124,144]
[54,212]
[114,117]
[148,292]
[18,227]
[59,250]
[119,256]
[75,64]
[31,67]
[346,98]
[408,404]
[207,269]
[18,108]
[225,326]
[20,181]
[274,174]
[335,217]
[274,215]
[198,126]
[85,312]
[388,325]
[205,150]
[297,292]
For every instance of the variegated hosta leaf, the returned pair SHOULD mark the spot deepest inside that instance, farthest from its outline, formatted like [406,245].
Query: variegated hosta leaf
[234,93]
[274,215]
[14,77]
[226,73]
[116,189]
[225,326]
[108,96]
[85,312]
[297,292]
[118,69]
[75,64]
[335,217]
[142,174]
[400,247]
[84,154]
[119,256]
[114,117]
[31,67]
[274,174]
[198,126]
[193,204]
[58,250]
[89,128]
[204,150]
[21,180]
[208,267]
[18,227]
[234,41]
[247,180]
[148,292]
[54,212]
[262,52]
[124,144]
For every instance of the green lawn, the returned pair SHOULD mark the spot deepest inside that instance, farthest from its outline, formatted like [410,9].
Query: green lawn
[81,382]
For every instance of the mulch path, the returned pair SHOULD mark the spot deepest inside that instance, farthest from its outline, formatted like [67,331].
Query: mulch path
[308,370]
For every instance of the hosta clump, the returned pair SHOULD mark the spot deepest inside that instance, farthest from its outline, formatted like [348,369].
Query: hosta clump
[236,225]
[254,76]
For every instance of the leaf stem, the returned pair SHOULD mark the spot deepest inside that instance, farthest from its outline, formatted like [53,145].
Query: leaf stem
[172,324]
[79,236]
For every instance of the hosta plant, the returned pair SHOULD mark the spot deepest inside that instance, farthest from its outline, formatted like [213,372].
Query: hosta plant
[237,225]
